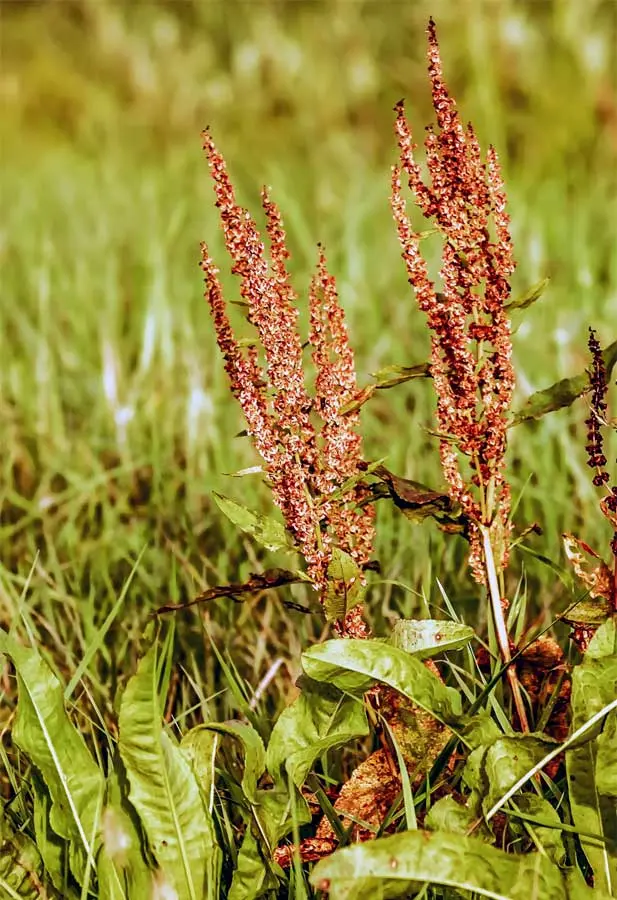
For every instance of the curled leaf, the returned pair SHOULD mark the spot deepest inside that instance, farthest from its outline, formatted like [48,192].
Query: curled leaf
[596,578]
[418,502]
[259,581]
[530,296]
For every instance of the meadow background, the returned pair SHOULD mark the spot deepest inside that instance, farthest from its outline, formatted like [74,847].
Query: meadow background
[115,417]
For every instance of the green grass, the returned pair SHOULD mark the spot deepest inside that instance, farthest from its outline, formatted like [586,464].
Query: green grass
[116,420]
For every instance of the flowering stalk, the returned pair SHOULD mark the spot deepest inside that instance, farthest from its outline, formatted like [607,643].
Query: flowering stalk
[596,458]
[471,350]
[305,462]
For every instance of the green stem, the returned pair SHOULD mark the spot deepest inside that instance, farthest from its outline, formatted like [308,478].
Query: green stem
[500,627]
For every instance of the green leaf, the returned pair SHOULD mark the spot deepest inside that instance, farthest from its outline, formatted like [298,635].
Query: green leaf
[52,848]
[506,760]
[254,753]
[319,719]
[398,865]
[199,746]
[606,761]
[44,732]
[547,824]
[20,868]
[390,376]
[355,665]
[122,869]
[345,587]
[428,637]
[350,483]
[530,296]
[163,788]
[449,815]
[268,532]
[593,687]
[254,875]
[563,393]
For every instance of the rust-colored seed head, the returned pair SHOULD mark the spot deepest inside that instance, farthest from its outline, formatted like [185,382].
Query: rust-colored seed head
[471,352]
[304,463]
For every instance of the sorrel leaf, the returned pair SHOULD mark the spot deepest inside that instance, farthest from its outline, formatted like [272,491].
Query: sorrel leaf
[563,393]
[267,531]
[355,665]
[399,865]
[529,296]
[322,717]
[254,753]
[345,587]
[44,732]
[594,812]
[122,870]
[428,637]
[163,788]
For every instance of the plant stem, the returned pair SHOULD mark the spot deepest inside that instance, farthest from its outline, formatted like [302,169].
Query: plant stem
[501,629]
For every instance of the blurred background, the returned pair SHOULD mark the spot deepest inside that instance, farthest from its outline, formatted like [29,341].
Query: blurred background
[112,393]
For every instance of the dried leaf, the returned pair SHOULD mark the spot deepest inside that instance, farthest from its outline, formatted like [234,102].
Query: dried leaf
[597,580]
[418,502]
[259,581]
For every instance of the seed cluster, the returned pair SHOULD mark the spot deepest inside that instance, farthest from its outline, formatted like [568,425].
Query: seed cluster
[309,448]
[471,350]
[596,458]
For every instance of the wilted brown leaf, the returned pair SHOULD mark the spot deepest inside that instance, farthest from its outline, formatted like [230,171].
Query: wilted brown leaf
[596,578]
[259,581]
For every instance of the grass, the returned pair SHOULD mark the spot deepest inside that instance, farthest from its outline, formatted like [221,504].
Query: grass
[116,420]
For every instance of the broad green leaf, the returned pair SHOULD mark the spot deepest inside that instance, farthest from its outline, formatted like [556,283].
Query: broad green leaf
[345,587]
[52,848]
[563,393]
[254,753]
[456,818]
[396,866]
[21,865]
[163,788]
[319,719]
[593,687]
[506,760]
[199,746]
[428,637]
[44,732]
[355,665]
[122,869]
[268,532]
[606,761]
[529,296]
[254,875]
[480,730]
[546,825]
[20,869]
